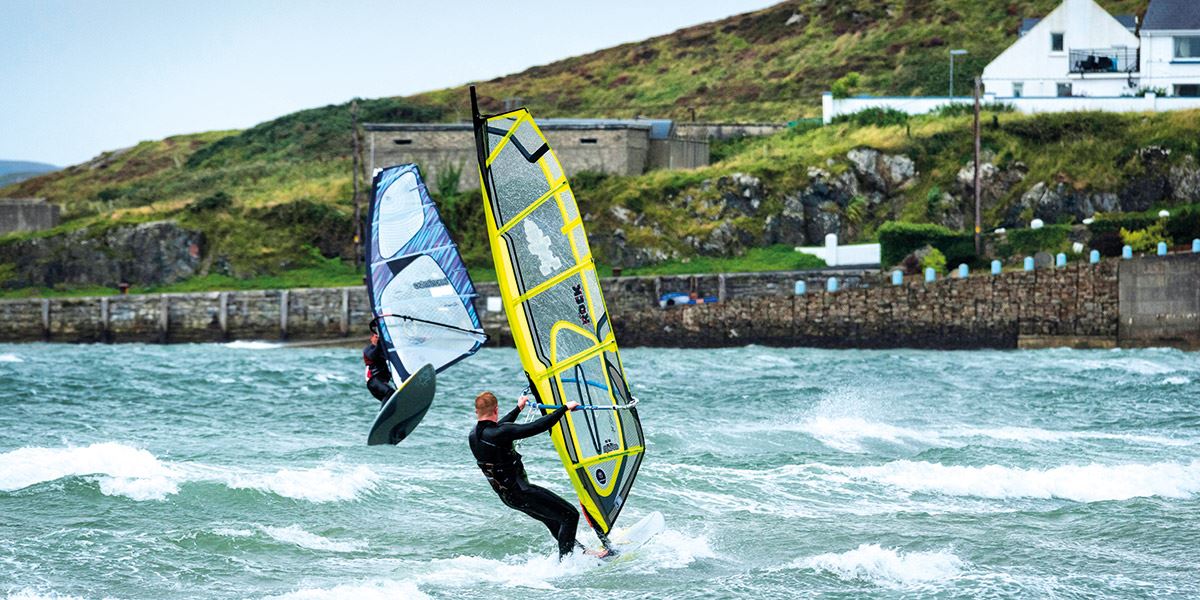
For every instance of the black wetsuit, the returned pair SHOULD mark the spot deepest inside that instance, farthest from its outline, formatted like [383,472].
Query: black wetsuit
[379,378]
[492,445]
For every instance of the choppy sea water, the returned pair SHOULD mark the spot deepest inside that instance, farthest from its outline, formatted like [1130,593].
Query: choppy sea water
[241,471]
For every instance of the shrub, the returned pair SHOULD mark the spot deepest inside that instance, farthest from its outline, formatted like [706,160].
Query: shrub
[959,109]
[901,239]
[1051,238]
[1184,224]
[1115,222]
[879,117]
[1146,240]
[217,201]
[844,85]
[934,260]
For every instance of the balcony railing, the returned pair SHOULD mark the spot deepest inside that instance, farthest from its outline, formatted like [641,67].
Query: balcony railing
[1104,60]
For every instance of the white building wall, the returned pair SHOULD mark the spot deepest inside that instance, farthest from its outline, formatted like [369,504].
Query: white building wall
[1032,62]
[1159,68]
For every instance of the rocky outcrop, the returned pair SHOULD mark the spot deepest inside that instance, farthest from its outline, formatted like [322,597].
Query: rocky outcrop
[146,254]
[1184,179]
[1052,202]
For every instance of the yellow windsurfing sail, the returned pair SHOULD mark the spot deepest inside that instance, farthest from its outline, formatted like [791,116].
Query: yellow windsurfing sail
[556,311]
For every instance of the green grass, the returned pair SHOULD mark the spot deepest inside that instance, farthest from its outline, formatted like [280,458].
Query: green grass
[771,258]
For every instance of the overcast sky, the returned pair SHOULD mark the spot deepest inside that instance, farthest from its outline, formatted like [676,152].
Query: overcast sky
[80,77]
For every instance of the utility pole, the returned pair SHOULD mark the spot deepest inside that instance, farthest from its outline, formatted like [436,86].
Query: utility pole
[978,220]
[354,178]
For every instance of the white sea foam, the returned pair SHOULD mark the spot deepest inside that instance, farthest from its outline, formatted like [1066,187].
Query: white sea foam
[252,345]
[848,433]
[1081,483]
[32,594]
[319,484]
[119,469]
[1139,366]
[10,358]
[327,377]
[293,534]
[1177,380]
[372,590]
[885,566]
[671,550]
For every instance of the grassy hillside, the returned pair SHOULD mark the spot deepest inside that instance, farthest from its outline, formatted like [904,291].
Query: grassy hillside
[276,198]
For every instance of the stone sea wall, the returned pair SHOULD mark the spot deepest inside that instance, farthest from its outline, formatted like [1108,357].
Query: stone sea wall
[1081,305]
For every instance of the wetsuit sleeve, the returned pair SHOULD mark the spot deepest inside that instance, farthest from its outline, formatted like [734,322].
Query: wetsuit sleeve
[508,432]
[511,416]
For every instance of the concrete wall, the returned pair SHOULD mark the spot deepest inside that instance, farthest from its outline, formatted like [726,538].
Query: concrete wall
[27,214]
[616,150]
[1160,301]
[678,153]
[834,107]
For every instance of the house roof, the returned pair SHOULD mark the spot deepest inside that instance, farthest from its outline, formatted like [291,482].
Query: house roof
[1172,15]
[1129,21]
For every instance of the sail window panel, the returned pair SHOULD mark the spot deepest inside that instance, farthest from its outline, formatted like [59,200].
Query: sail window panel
[528,138]
[518,182]
[581,244]
[497,129]
[423,290]
[400,214]
[596,430]
[552,166]
[570,343]
[570,209]
[540,250]
[560,302]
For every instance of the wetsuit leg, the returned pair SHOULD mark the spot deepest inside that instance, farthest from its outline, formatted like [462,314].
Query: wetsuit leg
[382,390]
[555,513]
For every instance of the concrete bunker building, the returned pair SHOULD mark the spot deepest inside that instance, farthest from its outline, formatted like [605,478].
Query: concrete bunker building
[613,146]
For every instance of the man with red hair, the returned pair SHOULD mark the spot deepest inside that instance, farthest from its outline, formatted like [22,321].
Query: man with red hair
[492,444]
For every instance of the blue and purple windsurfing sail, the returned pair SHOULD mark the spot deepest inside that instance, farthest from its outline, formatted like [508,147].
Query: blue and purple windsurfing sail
[420,291]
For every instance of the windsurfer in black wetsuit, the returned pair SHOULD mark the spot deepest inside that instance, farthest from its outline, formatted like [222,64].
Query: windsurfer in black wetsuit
[379,378]
[492,444]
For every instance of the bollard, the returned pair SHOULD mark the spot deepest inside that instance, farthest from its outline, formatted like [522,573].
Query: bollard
[801,287]
[995,267]
[1127,252]
[1094,257]
[898,276]
[1028,263]
[963,271]
[1060,260]
[831,284]
[1196,245]
[1162,248]
[930,274]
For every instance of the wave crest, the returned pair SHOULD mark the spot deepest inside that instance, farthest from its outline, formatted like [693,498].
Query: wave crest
[885,566]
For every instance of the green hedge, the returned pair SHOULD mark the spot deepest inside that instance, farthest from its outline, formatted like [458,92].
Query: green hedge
[901,239]
[1182,226]
[1115,222]
[1026,242]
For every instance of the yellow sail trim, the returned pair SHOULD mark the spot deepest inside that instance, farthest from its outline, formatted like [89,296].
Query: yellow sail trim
[549,283]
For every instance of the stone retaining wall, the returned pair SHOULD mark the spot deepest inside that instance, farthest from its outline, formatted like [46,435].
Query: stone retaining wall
[1080,304]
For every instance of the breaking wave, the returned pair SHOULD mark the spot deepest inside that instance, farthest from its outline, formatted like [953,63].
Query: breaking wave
[1080,483]
[252,345]
[885,566]
[372,590]
[121,470]
[10,358]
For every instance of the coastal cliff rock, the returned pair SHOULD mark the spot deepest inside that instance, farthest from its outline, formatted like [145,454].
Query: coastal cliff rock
[152,253]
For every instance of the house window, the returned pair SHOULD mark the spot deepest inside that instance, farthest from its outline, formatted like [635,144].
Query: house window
[1056,42]
[1064,90]
[587,140]
[1018,89]
[1190,90]
[402,142]
[1187,47]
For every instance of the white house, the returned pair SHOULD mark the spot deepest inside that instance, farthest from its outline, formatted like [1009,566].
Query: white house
[1076,50]
[1171,47]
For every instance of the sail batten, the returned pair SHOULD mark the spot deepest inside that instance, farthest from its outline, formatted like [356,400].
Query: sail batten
[556,310]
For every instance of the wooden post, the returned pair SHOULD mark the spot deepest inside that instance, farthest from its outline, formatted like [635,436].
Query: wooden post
[978,221]
[283,314]
[105,334]
[46,318]
[657,290]
[164,318]
[721,287]
[345,312]
[223,314]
